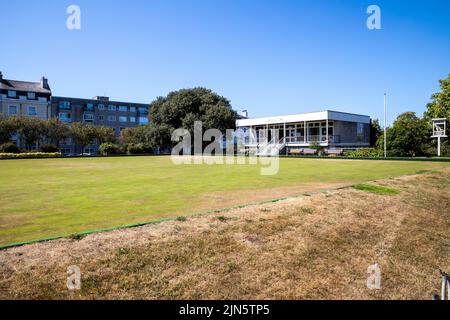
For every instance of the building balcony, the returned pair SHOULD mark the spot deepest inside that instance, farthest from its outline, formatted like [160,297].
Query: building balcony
[299,140]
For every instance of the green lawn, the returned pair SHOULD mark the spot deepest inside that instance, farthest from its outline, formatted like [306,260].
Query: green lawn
[55,197]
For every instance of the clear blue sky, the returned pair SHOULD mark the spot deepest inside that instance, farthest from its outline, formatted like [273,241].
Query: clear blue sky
[270,57]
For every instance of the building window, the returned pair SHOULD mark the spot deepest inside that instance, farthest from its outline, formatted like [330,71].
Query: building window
[143,110]
[64,116]
[101,107]
[133,119]
[112,107]
[31,95]
[89,107]
[12,94]
[65,105]
[88,117]
[12,110]
[111,118]
[143,120]
[32,111]
[101,118]
[89,151]
[132,109]
[360,131]
[123,108]
[123,119]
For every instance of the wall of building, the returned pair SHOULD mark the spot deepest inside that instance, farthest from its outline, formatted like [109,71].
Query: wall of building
[22,107]
[101,114]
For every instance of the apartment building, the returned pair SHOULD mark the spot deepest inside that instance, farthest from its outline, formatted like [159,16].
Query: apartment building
[97,111]
[24,98]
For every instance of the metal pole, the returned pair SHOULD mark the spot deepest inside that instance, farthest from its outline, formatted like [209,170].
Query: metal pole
[385,129]
[439,146]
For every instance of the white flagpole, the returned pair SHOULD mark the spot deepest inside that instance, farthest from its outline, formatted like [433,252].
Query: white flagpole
[385,136]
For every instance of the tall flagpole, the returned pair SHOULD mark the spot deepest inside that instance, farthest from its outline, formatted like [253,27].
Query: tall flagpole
[385,136]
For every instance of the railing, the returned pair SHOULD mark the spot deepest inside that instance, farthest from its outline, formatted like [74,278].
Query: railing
[314,138]
[262,141]
[272,148]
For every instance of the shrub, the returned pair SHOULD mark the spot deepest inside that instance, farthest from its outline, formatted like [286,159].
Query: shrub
[49,148]
[109,148]
[135,148]
[29,155]
[9,147]
[368,153]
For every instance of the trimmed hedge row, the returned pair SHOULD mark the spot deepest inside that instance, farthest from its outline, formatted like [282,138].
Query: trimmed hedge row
[367,153]
[31,155]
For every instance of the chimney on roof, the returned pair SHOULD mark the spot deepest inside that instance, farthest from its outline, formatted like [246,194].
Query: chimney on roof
[243,113]
[101,98]
[44,83]
[1,76]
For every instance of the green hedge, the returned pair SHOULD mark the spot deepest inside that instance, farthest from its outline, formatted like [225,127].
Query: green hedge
[29,155]
[366,153]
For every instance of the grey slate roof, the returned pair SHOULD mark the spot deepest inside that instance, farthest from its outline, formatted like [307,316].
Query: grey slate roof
[23,86]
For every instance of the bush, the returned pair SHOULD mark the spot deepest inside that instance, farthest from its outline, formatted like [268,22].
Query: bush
[9,147]
[49,148]
[108,148]
[367,153]
[136,148]
[29,155]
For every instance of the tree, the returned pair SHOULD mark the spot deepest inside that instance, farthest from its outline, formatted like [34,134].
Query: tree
[135,135]
[180,109]
[83,134]
[439,107]
[104,135]
[408,136]
[7,128]
[31,130]
[108,148]
[55,131]
[375,132]
[160,137]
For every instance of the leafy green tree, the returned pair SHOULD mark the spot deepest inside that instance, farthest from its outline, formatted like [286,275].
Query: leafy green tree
[108,148]
[135,135]
[180,109]
[159,137]
[56,131]
[31,130]
[408,136]
[104,135]
[439,106]
[375,132]
[83,134]
[8,127]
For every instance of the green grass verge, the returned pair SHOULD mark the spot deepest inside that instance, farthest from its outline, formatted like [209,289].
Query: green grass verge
[376,189]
